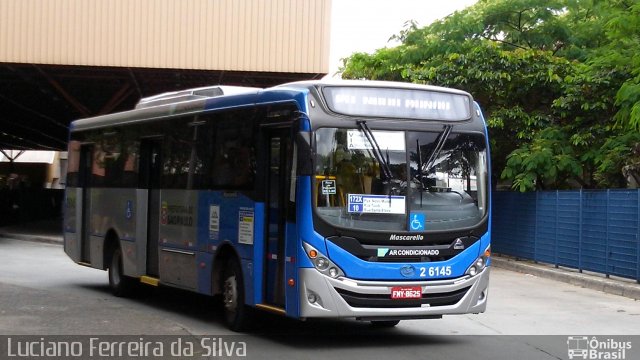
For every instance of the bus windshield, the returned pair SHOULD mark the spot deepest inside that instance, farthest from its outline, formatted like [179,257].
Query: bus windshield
[400,180]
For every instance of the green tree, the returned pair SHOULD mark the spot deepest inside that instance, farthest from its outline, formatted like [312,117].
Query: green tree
[559,82]
[623,53]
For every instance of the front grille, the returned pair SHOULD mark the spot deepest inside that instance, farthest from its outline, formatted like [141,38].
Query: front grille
[385,301]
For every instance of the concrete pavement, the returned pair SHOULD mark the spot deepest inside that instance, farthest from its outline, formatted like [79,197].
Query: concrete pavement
[50,231]
[616,286]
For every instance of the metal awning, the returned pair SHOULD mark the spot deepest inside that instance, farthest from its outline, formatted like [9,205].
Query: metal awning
[28,156]
[37,102]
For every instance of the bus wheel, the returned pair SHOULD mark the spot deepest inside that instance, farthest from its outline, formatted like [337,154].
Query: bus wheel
[385,323]
[120,284]
[236,314]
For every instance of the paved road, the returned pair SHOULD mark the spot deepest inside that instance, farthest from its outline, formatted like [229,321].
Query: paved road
[43,292]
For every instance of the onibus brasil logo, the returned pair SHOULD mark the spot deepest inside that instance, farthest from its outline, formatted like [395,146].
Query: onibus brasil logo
[581,347]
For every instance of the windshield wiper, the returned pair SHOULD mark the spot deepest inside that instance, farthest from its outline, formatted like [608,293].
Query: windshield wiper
[442,139]
[425,167]
[377,153]
[420,170]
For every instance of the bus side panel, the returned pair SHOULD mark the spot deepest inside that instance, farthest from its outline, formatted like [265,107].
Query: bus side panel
[485,242]
[141,216]
[304,232]
[486,239]
[209,215]
[205,270]
[98,218]
[291,271]
[72,222]
[304,220]
[177,238]
[229,218]
[249,280]
[125,223]
[112,209]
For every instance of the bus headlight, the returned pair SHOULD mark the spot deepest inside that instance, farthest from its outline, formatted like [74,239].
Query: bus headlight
[321,262]
[480,263]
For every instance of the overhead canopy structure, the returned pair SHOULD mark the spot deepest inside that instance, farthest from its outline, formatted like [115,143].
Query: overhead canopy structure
[28,156]
[61,60]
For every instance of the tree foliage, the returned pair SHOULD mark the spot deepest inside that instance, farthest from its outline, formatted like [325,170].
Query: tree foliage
[558,80]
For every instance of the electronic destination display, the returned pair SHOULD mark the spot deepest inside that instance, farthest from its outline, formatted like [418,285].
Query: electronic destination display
[398,103]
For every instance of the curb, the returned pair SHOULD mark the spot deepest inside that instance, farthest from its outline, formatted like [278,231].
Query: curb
[55,240]
[623,287]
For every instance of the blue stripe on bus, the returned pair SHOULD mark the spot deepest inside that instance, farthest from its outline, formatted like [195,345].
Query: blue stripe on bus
[284,94]
[355,268]
[292,304]
[485,241]
[305,222]
[227,102]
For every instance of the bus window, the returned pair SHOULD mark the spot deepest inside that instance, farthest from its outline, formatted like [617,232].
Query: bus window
[73,164]
[180,160]
[227,145]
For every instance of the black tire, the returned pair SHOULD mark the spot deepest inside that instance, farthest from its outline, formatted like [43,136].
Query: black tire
[385,323]
[120,284]
[237,315]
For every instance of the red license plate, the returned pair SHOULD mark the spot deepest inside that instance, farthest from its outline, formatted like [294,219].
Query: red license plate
[406,292]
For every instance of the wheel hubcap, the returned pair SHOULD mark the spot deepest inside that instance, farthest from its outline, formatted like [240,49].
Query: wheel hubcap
[115,269]
[230,296]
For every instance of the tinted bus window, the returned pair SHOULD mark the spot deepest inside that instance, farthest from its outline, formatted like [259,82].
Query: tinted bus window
[180,163]
[114,161]
[226,145]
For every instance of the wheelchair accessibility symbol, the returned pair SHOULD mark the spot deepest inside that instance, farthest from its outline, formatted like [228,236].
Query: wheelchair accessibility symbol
[129,212]
[416,222]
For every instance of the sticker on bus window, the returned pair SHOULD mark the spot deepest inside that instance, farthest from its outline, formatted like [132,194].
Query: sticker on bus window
[417,221]
[328,187]
[387,140]
[214,222]
[129,211]
[245,226]
[375,204]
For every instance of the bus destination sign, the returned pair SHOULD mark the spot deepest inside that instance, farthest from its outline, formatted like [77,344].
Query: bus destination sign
[398,103]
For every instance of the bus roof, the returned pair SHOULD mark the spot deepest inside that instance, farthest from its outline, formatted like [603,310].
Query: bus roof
[192,101]
[370,83]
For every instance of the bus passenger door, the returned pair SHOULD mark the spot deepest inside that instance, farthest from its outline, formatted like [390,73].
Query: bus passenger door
[150,175]
[86,163]
[278,148]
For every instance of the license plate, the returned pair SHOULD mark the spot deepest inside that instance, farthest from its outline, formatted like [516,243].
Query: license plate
[406,292]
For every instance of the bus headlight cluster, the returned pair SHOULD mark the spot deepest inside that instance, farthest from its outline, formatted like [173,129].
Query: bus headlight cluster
[321,262]
[480,263]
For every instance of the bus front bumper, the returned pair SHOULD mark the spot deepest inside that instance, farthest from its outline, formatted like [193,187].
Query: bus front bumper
[322,296]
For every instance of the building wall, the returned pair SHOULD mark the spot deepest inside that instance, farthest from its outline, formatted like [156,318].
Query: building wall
[238,35]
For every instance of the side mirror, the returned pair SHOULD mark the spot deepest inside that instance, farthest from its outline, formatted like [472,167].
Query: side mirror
[304,156]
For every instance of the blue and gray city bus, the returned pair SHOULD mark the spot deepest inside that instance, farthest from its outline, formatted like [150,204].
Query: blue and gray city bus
[345,199]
